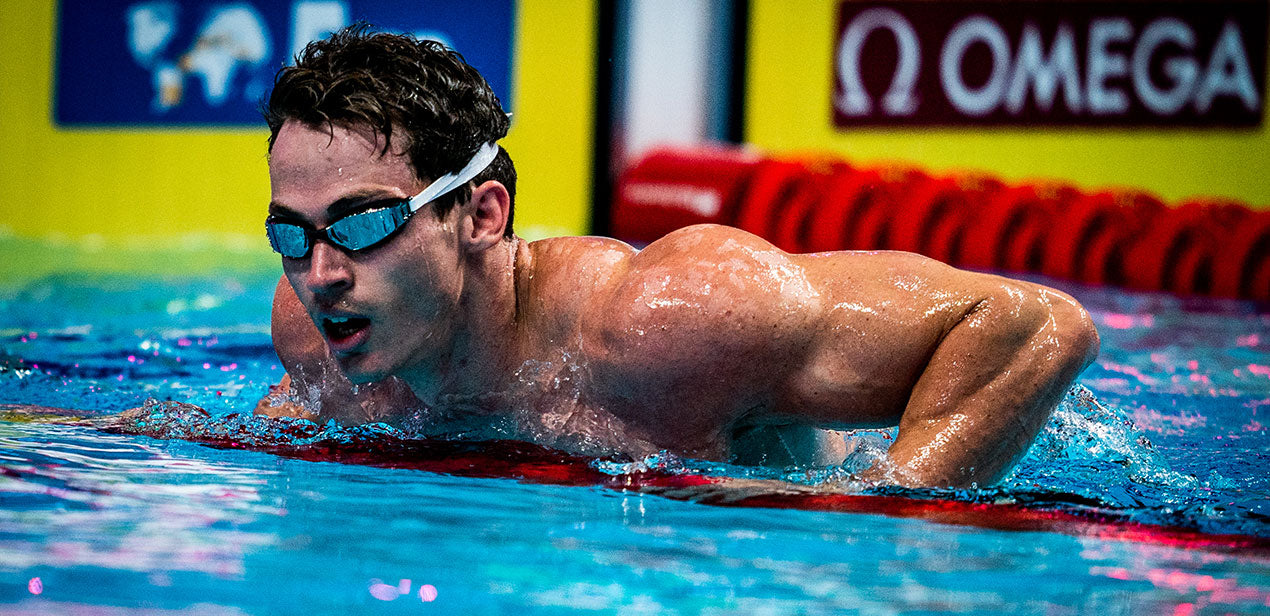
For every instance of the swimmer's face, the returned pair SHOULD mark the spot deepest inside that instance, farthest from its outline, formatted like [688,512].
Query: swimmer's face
[386,307]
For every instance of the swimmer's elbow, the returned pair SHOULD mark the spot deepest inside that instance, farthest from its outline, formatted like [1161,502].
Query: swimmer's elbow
[1077,335]
[1090,339]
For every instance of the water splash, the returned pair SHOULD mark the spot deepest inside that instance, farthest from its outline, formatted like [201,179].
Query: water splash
[1090,457]
[1082,430]
[179,420]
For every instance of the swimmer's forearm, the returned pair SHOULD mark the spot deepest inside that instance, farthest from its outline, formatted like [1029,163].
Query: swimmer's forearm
[989,389]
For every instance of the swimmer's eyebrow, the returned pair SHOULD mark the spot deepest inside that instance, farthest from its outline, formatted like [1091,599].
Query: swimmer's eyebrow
[344,205]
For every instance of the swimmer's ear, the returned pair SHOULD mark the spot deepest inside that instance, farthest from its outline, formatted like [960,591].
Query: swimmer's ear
[485,216]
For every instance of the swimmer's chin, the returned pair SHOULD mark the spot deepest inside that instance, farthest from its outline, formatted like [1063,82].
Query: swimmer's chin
[357,369]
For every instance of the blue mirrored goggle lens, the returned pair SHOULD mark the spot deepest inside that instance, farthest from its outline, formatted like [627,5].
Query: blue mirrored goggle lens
[368,228]
[356,232]
[288,240]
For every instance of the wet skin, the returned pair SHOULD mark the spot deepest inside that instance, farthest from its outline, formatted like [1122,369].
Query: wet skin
[709,343]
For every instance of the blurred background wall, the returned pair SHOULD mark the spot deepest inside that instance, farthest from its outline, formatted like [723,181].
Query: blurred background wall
[1224,152]
[679,57]
[133,121]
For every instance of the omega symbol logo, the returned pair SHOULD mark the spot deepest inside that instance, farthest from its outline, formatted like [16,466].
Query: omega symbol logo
[899,99]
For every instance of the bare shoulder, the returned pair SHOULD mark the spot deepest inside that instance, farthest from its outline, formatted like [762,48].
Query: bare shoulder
[568,258]
[895,285]
[711,276]
[705,241]
[564,276]
[722,284]
[705,305]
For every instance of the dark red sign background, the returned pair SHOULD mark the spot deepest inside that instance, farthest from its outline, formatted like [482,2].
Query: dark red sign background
[928,103]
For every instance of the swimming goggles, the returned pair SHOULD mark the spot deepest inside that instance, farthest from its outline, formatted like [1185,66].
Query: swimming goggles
[365,229]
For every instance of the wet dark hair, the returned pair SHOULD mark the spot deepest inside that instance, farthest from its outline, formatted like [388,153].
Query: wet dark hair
[390,81]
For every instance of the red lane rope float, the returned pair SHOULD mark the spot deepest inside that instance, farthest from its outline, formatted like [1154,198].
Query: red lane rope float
[1242,260]
[930,217]
[1041,208]
[877,204]
[1259,276]
[1191,271]
[1171,253]
[772,185]
[1188,271]
[830,225]
[1009,517]
[530,463]
[793,220]
[1242,267]
[980,190]
[1118,237]
[1101,257]
[1008,225]
[1022,247]
[669,189]
[1089,224]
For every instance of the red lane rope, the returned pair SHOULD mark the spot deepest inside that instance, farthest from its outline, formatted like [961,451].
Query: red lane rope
[830,226]
[1191,269]
[1175,253]
[535,464]
[772,186]
[877,204]
[793,221]
[1242,262]
[1122,237]
[670,189]
[1079,248]
[1000,232]
[930,218]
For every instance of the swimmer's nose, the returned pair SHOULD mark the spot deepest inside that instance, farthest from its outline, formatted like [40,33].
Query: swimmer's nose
[329,272]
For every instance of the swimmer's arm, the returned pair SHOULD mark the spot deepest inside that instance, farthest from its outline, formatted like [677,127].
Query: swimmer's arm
[710,314]
[298,347]
[989,387]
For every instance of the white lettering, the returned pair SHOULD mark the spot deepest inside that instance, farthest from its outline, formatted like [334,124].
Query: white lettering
[1044,75]
[700,201]
[975,29]
[1181,71]
[1228,72]
[1103,64]
[1166,65]
[899,99]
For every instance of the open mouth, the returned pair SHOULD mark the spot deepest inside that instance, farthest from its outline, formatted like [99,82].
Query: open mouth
[344,329]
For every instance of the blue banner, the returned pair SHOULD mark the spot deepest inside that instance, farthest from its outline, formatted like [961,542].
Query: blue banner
[169,63]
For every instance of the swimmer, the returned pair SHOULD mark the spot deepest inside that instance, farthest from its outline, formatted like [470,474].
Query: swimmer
[407,298]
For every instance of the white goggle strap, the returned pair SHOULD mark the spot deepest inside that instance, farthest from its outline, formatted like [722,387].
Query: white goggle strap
[450,181]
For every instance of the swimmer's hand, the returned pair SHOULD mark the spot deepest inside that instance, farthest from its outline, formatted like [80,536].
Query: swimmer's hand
[386,401]
[281,402]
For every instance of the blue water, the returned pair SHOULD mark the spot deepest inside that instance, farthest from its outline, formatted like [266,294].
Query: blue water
[1168,427]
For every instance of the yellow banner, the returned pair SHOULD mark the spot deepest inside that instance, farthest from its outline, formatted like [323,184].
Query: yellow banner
[115,185]
[789,105]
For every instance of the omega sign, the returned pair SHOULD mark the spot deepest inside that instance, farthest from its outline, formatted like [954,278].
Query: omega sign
[1185,63]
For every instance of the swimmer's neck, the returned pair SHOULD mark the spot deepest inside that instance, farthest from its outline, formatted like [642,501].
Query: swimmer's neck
[485,344]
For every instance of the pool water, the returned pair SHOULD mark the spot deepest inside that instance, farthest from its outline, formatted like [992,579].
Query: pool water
[1166,429]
